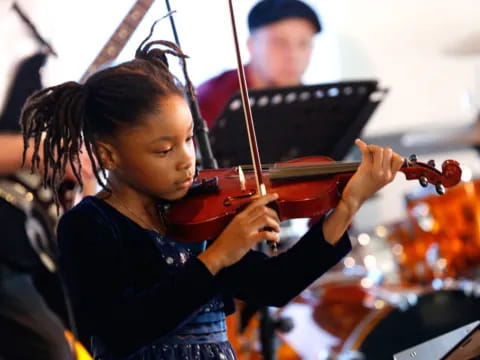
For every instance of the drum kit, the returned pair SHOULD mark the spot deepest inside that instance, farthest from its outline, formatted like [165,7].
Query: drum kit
[403,284]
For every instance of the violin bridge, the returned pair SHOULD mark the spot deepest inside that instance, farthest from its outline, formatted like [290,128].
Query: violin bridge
[241,178]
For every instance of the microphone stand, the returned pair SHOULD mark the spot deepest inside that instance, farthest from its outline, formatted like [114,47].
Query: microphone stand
[204,149]
[34,30]
[267,324]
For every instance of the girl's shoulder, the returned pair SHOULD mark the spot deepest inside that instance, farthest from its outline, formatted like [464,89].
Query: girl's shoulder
[91,214]
[89,227]
[91,221]
[96,217]
[91,208]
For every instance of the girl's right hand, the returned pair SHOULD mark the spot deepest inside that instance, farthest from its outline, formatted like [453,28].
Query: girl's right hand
[244,231]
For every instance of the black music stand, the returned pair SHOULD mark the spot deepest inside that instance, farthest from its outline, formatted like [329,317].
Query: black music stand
[296,121]
[460,344]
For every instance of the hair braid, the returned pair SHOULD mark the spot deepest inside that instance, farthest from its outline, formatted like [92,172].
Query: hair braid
[53,117]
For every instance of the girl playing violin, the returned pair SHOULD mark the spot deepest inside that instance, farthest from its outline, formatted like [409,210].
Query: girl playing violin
[138,294]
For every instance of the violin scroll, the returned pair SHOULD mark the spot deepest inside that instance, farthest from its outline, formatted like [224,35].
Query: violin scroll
[452,172]
[427,173]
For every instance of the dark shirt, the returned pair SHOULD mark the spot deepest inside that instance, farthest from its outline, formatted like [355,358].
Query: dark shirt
[15,249]
[125,293]
[26,81]
[214,94]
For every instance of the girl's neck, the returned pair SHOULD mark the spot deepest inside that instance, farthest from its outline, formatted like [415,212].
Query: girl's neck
[138,207]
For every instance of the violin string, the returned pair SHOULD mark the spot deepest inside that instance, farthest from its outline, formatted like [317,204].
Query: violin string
[249,167]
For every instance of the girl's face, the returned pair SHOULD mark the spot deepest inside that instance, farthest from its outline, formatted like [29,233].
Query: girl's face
[157,157]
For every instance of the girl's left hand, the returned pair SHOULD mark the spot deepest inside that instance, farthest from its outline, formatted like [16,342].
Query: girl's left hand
[378,168]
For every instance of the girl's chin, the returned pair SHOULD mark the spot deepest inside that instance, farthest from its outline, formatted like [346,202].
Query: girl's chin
[176,195]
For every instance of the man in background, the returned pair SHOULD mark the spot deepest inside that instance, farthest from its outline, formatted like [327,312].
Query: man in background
[280,46]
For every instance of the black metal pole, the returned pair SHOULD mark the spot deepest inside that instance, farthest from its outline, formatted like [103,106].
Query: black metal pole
[204,150]
[33,28]
[267,323]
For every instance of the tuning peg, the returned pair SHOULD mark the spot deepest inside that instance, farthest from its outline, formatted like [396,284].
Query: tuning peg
[440,189]
[413,158]
[431,163]
[423,180]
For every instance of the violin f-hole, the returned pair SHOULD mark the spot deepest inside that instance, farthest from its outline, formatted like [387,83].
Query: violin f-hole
[230,199]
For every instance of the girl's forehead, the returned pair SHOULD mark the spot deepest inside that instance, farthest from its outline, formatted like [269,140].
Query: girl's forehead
[170,120]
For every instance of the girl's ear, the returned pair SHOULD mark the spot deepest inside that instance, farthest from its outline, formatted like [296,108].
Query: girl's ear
[108,155]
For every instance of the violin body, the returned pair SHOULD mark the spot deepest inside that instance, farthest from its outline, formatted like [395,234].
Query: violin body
[204,214]
[306,187]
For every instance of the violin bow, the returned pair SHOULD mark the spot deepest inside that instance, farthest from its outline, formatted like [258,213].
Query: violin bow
[266,332]
[252,139]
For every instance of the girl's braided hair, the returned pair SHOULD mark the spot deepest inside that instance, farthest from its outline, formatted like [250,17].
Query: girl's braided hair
[64,118]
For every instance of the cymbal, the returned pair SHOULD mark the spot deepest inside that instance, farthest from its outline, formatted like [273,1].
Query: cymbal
[464,136]
[431,140]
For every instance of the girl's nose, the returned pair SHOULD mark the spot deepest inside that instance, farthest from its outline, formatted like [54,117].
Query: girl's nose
[187,157]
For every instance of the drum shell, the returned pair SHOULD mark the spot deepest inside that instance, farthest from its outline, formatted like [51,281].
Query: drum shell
[350,320]
[445,231]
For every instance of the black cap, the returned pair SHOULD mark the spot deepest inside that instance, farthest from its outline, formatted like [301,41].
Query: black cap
[266,12]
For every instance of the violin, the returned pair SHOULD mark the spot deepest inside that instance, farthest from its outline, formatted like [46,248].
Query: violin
[307,187]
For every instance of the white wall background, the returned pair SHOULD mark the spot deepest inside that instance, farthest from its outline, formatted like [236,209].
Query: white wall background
[426,52]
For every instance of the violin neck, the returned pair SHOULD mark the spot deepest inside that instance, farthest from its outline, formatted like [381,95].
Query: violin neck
[299,172]
[312,171]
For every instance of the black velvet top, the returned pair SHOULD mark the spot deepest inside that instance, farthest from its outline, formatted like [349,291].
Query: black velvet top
[125,293]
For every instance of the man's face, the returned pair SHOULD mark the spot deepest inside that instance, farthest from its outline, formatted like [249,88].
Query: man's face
[280,52]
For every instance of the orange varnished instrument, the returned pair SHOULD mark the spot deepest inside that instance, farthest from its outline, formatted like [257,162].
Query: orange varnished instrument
[307,187]
[441,236]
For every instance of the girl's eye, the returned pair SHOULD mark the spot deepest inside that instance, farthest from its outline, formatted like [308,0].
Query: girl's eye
[190,138]
[163,152]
